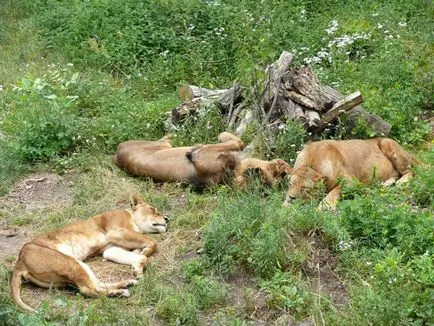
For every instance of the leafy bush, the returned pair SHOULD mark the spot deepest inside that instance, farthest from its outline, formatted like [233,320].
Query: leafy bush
[208,291]
[63,112]
[377,218]
[42,122]
[255,232]
[289,141]
[201,127]
[286,291]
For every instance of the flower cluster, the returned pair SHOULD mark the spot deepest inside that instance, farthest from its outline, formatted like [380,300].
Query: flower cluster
[333,27]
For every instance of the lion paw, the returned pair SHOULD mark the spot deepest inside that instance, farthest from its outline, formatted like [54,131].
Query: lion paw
[125,293]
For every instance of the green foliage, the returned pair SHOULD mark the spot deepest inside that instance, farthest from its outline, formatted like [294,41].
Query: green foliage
[195,267]
[422,186]
[255,232]
[178,309]
[289,141]
[208,291]
[201,127]
[286,291]
[41,121]
[63,112]
[377,218]
[383,52]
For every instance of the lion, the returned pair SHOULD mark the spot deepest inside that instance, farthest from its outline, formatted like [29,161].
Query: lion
[56,259]
[162,162]
[325,162]
[271,172]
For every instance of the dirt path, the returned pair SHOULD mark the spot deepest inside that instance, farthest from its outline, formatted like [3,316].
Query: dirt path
[35,192]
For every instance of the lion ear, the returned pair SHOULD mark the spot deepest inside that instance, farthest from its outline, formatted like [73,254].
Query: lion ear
[135,200]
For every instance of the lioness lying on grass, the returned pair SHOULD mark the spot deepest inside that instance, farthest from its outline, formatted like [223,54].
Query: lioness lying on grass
[162,162]
[56,258]
[324,162]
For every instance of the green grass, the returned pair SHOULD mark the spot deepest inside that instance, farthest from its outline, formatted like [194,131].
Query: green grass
[77,78]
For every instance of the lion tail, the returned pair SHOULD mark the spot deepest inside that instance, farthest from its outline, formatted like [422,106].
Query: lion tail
[191,154]
[15,286]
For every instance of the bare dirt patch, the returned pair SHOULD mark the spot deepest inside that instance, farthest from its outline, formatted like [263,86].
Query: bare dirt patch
[40,191]
[319,269]
[10,243]
[37,191]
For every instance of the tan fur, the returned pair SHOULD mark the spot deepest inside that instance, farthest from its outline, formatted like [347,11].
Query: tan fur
[56,258]
[326,161]
[271,171]
[162,162]
[216,163]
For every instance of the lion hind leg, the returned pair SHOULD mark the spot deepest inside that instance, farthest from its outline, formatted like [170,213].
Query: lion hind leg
[91,286]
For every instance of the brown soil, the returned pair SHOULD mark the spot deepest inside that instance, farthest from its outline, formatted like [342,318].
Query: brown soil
[319,269]
[37,191]
[10,243]
[40,191]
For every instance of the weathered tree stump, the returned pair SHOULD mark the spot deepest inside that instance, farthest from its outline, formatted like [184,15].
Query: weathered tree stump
[288,93]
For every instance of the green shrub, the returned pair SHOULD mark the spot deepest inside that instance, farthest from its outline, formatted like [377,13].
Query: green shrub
[208,291]
[395,292]
[201,127]
[255,232]
[286,291]
[378,218]
[64,112]
[290,141]
[42,122]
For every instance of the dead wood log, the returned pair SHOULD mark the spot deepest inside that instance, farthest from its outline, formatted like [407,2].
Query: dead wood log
[291,110]
[184,109]
[223,98]
[313,118]
[303,87]
[231,97]
[300,99]
[341,107]
[274,74]
[248,118]
[235,113]
[381,127]
[190,92]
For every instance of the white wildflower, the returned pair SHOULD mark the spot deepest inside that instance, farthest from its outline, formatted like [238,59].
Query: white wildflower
[164,53]
[333,27]
[402,24]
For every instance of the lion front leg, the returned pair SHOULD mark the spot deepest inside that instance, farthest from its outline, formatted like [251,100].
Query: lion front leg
[133,240]
[122,256]
[331,200]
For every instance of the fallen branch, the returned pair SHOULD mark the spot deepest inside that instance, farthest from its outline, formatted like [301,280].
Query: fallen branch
[341,107]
